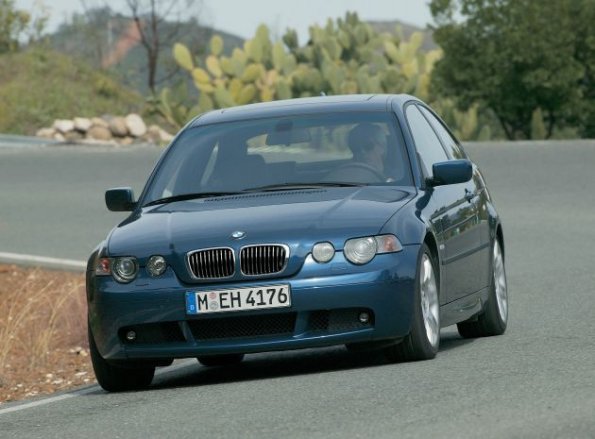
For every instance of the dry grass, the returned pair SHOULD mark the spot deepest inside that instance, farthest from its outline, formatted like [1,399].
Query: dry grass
[42,332]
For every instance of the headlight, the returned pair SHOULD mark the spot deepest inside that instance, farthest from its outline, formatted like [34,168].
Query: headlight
[362,250]
[124,269]
[156,265]
[323,252]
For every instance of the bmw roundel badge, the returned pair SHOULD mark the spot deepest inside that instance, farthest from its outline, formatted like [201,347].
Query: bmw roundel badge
[238,234]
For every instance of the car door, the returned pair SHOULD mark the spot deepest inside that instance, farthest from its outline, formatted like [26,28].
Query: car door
[453,213]
[476,193]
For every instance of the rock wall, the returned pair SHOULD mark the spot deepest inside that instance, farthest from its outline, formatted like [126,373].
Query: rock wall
[106,129]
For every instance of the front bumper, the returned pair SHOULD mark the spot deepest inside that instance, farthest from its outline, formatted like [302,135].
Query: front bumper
[326,302]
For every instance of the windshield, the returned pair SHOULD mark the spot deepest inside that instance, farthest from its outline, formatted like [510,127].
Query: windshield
[282,153]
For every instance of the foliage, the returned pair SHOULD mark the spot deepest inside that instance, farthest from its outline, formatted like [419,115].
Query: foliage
[38,86]
[344,57]
[531,64]
[13,23]
[17,24]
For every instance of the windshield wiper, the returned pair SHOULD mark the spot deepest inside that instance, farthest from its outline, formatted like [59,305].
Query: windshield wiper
[193,196]
[291,186]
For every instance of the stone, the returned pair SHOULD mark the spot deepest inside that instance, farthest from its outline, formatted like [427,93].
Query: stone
[82,124]
[135,124]
[48,133]
[59,136]
[153,134]
[99,132]
[127,141]
[99,122]
[164,136]
[117,126]
[63,125]
[73,136]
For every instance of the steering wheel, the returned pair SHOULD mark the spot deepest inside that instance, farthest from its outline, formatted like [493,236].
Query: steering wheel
[352,168]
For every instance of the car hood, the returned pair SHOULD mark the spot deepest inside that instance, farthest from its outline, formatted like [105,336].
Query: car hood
[297,218]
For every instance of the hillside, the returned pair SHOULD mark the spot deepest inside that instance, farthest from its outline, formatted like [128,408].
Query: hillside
[111,41]
[39,85]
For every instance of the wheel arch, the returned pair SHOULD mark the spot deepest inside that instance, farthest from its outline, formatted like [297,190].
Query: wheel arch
[500,238]
[430,241]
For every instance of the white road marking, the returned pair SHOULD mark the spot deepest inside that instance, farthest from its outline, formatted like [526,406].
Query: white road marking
[42,261]
[28,405]
[49,400]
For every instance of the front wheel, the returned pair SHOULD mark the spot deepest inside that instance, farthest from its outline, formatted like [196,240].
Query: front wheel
[115,378]
[494,318]
[423,340]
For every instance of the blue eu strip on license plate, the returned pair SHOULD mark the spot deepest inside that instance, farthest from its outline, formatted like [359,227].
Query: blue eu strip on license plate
[240,299]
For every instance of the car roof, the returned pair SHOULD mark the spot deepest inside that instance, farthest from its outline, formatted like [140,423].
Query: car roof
[318,104]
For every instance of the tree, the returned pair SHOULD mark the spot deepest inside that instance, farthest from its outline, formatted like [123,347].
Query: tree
[519,58]
[17,25]
[149,16]
[113,29]
[585,55]
[13,23]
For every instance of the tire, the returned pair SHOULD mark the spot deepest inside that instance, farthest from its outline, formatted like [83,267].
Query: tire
[220,360]
[115,378]
[423,340]
[494,319]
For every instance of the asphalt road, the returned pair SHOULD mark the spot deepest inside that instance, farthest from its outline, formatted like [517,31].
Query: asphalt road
[536,381]
[52,198]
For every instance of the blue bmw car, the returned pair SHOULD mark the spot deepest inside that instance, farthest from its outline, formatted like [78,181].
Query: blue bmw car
[347,220]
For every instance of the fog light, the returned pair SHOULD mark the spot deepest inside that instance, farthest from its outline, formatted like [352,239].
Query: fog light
[156,265]
[364,317]
[131,336]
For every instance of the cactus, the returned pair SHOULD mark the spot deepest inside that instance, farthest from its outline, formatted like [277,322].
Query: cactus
[252,72]
[172,108]
[216,45]
[200,75]
[183,57]
[283,89]
[213,66]
[343,56]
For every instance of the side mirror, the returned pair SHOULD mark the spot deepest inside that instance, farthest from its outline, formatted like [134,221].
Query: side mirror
[451,172]
[120,199]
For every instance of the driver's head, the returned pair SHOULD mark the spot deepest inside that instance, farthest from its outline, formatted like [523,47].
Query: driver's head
[367,142]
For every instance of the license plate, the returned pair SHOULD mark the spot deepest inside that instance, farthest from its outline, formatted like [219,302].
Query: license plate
[239,299]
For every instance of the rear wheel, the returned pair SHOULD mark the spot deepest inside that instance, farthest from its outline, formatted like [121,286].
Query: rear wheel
[493,320]
[220,360]
[424,339]
[118,378]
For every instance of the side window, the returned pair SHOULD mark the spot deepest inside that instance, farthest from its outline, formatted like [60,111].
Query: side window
[447,140]
[428,146]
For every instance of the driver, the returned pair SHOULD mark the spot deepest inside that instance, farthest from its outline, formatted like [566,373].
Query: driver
[367,142]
